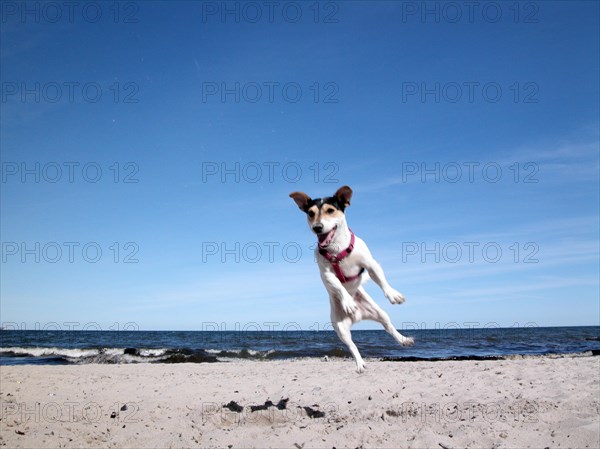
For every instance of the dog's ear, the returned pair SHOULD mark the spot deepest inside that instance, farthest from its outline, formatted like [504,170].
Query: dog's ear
[343,195]
[301,199]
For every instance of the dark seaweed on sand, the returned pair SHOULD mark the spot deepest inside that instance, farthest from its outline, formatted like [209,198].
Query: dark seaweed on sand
[234,407]
[312,413]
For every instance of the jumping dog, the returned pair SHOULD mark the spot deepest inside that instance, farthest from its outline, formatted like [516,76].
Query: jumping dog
[344,262]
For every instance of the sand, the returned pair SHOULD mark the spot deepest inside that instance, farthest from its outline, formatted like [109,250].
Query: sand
[524,402]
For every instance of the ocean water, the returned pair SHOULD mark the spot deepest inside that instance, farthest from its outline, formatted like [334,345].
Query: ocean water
[79,347]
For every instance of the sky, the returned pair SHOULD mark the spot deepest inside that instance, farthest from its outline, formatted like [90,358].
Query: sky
[148,150]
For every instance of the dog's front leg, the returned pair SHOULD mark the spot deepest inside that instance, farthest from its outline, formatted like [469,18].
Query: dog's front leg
[376,273]
[338,293]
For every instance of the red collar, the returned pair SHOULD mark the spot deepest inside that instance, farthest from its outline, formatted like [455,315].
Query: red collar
[335,260]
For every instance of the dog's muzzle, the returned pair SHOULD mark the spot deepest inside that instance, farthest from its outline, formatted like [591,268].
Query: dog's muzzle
[325,239]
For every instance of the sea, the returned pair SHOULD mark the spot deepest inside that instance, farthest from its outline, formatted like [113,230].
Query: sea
[73,347]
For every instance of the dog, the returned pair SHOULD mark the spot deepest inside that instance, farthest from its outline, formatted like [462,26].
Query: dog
[345,264]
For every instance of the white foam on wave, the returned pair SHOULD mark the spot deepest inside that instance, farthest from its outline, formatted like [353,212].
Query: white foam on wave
[152,352]
[45,352]
[251,352]
[83,356]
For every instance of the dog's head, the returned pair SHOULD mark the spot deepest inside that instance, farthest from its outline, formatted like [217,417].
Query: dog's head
[324,215]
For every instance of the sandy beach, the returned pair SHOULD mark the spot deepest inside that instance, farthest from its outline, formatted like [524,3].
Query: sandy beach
[524,402]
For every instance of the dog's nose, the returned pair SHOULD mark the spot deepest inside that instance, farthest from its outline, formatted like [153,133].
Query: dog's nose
[318,228]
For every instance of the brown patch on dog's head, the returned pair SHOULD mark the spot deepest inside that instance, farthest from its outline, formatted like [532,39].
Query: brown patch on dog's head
[313,212]
[329,210]
[343,196]
[320,209]
[301,199]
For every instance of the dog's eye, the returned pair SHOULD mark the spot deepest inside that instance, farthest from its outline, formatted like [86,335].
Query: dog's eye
[330,211]
[311,214]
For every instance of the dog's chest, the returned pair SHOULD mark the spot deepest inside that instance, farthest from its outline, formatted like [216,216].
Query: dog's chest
[350,265]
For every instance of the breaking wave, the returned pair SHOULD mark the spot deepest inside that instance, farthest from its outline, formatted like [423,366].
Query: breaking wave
[144,355]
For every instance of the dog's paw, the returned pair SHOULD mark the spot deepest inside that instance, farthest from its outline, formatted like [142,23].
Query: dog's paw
[408,341]
[360,367]
[350,307]
[394,296]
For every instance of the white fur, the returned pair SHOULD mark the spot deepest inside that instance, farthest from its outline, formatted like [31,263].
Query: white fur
[349,301]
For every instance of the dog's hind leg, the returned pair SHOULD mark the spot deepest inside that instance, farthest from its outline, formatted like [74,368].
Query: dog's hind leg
[342,329]
[371,311]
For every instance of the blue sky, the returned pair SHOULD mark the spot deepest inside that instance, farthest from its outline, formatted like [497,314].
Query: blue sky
[148,151]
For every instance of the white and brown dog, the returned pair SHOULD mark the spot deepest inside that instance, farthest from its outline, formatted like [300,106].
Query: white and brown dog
[343,259]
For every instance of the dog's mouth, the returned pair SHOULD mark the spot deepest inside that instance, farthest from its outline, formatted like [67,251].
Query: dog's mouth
[326,238]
